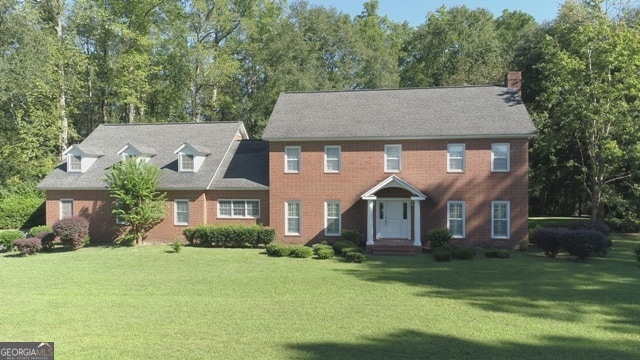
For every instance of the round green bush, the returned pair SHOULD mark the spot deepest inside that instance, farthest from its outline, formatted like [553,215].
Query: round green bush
[7,239]
[497,253]
[585,243]
[548,239]
[347,250]
[318,247]
[464,253]
[439,237]
[341,244]
[442,255]
[278,250]
[355,257]
[301,251]
[39,229]
[325,253]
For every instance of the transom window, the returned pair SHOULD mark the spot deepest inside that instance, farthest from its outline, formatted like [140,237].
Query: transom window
[186,162]
[66,208]
[332,158]
[292,159]
[455,157]
[392,158]
[455,218]
[239,209]
[500,220]
[332,222]
[74,163]
[181,212]
[500,157]
[293,218]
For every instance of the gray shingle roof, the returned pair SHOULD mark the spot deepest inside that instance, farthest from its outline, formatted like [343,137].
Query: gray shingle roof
[445,112]
[247,167]
[218,137]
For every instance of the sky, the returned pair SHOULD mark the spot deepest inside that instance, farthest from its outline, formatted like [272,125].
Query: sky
[415,11]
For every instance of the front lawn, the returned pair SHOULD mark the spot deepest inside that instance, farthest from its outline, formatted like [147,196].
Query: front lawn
[146,302]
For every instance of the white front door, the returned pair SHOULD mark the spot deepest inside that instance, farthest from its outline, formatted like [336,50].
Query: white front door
[393,219]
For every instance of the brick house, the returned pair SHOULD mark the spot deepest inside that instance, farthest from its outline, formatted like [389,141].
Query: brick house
[391,164]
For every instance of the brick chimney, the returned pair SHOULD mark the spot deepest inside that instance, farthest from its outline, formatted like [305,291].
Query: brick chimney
[513,80]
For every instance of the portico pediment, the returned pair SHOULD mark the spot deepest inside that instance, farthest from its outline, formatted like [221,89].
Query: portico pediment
[393,182]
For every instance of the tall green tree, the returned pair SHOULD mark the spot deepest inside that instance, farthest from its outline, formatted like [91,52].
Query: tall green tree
[137,204]
[589,104]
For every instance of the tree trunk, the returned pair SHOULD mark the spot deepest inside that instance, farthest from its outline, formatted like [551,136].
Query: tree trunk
[596,198]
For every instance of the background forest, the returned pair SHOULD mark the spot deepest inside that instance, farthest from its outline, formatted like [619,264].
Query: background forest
[68,66]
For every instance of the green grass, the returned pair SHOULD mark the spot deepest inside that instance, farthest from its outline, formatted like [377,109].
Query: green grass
[148,302]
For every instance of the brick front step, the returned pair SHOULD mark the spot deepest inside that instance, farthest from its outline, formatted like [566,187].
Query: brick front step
[394,250]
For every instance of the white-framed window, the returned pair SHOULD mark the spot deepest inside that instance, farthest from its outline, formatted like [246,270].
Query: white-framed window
[119,221]
[332,218]
[242,209]
[455,157]
[456,218]
[500,157]
[293,217]
[74,163]
[292,159]
[392,158]
[186,162]
[181,212]
[500,220]
[332,159]
[66,208]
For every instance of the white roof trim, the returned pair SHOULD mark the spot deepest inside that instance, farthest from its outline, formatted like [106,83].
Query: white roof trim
[197,150]
[140,151]
[393,181]
[87,152]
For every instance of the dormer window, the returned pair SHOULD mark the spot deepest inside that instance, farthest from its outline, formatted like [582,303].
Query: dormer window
[190,157]
[74,163]
[80,158]
[186,162]
[140,153]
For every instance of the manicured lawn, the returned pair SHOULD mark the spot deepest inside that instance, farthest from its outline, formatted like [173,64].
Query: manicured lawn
[118,303]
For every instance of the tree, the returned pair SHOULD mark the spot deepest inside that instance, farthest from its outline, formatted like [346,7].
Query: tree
[137,204]
[589,101]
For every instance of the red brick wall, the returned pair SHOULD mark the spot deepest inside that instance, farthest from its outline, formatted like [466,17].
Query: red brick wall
[96,207]
[424,166]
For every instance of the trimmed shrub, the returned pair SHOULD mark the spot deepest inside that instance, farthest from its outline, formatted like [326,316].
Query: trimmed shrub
[72,231]
[523,245]
[355,257]
[28,246]
[7,239]
[325,253]
[497,252]
[351,235]
[549,240]
[233,235]
[441,248]
[278,250]
[22,208]
[463,253]
[585,243]
[347,250]
[341,244]
[637,252]
[46,239]
[590,225]
[439,237]
[301,251]
[39,229]
[442,255]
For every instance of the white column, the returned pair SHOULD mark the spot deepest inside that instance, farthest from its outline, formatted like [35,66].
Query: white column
[417,241]
[370,205]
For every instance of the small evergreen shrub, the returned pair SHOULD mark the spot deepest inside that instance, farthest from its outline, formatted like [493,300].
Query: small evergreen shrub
[590,225]
[439,237]
[549,240]
[637,252]
[347,250]
[325,253]
[585,243]
[497,252]
[442,255]
[46,239]
[28,246]
[351,235]
[39,229]
[341,244]
[176,245]
[441,248]
[72,231]
[233,235]
[278,250]
[301,251]
[355,257]
[463,253]
[321,246]
[523,245]
[7,239]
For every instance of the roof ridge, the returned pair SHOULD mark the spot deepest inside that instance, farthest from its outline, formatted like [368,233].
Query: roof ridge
[177,123]
[391,89]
